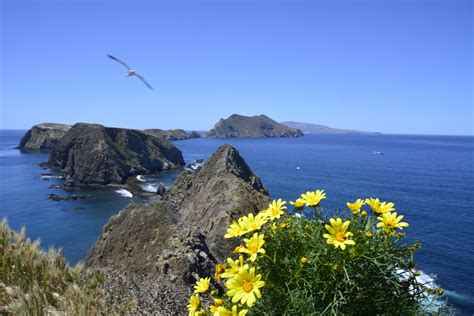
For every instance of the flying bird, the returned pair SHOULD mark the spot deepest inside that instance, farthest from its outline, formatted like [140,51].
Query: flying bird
[131,72]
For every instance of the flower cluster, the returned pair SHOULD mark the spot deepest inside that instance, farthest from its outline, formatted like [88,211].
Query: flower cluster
[238,282]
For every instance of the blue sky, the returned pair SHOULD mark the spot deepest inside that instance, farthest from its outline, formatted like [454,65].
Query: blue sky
[390,66]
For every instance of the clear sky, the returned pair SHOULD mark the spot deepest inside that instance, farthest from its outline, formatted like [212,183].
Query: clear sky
[391,66]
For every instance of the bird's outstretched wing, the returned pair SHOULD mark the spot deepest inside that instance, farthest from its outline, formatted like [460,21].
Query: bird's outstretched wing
[119,61]
[144,81]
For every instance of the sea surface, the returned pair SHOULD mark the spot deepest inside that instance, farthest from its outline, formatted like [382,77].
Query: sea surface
[429,178]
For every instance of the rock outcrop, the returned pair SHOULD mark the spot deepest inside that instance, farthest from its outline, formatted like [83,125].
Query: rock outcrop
[172,134]
[251,126]
[43,137]
[181,237]
[90,154]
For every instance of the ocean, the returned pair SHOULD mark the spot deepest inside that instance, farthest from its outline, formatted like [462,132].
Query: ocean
[429,178]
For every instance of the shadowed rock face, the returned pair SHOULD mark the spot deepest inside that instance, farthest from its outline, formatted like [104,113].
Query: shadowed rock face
[182,236]
[94,154]
[251,126]
[43,137]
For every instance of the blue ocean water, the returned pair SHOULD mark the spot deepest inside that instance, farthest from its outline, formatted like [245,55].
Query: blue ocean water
[430,179]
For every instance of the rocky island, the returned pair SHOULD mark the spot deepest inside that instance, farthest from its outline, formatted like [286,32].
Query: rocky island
[43,137]
[251,126]
[92,154]
[172,134]
[164,247]
[309,128]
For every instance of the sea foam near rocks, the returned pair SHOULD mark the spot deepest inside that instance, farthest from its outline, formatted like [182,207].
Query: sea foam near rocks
[124,193]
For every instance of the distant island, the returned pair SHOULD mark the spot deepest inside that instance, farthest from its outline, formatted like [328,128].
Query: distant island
[309,128]
[171,134]
[236,126]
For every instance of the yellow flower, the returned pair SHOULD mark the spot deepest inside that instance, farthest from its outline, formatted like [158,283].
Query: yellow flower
[390,221]
[202,285]
[218,271]
[313,198]
[275,209]
[244,287]
[283,225]
[380,207]
[253,246]
[386,207]
[213,309]
[194,304]
[235,267]
[251,223]
[299,203]
[234,230]
[304,260]
[356,206]
[338,234]
[237,249]
[222,311]
[218,301]
[363,214]
[374,204]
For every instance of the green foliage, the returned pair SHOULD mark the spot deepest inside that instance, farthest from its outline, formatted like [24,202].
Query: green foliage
[367,278]
[34,282]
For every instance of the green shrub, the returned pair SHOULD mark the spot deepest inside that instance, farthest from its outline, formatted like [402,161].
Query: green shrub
[292,265]
[34,282]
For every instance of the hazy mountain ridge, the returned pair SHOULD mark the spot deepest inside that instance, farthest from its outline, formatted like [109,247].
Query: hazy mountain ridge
[310,128]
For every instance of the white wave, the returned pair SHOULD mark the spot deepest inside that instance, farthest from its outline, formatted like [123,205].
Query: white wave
[432,303]
[150,188]
[124,193]
[141,178]
[50,177]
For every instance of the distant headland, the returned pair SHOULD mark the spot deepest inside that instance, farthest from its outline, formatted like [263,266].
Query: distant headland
[309,128]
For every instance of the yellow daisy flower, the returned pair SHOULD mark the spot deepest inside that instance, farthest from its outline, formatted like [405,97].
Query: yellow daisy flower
[202,285]
[374,204]
[222,311]
[313,198]
[338,235]
[299,203]
[275,209]
[356,206]
[253,246]
[390,221]
[252,223]
[235,267]
[194,304]
[304,260]
[218,271]
[386,207]
[234,230]
[244,287]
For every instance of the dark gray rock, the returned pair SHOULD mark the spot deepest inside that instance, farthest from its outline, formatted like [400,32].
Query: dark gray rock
[161,189]
[93,154]
[43,137]
[181,237]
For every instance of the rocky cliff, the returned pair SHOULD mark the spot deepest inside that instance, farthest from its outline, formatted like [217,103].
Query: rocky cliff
[43,137]
[94,154]
[176,239]
[251,126]
[172,134]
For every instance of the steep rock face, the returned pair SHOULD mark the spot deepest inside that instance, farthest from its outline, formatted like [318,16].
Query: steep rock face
[182,236]
[43,137]
[94,154]
[172,134]
[251,126]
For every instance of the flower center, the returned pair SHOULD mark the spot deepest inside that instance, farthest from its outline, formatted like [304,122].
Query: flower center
[275,212]
[391,223]
[247,286]
[253,249]
[254,226]
[340,236]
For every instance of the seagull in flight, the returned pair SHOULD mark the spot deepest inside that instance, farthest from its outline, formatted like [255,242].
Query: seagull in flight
[131,72]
